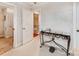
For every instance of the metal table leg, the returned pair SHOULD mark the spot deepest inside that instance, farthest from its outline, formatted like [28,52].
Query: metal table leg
[42,40]
[68,45]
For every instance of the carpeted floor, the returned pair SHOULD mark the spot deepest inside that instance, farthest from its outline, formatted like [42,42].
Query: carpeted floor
[44,51]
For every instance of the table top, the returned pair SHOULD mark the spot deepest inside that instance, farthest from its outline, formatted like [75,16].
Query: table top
[61,34]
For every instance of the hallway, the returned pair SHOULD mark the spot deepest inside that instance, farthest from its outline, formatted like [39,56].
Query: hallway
[51,17]
[30,49]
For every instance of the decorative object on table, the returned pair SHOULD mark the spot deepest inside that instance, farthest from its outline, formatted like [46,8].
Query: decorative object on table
[51,49]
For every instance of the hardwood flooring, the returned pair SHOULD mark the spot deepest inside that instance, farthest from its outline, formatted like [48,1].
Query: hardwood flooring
[5,44]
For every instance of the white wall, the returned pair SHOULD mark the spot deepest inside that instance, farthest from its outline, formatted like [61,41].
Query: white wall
[58,17]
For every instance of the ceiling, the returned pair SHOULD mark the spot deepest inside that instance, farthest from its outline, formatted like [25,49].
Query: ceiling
[31,3]
[39,5]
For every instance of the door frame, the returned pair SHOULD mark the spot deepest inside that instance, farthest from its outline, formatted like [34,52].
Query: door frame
[9,5]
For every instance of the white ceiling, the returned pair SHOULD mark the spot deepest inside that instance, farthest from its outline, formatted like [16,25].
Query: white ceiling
[40,5]
[31,4]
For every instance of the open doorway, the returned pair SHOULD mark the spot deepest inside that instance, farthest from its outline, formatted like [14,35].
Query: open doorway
[35,24]
[6,29]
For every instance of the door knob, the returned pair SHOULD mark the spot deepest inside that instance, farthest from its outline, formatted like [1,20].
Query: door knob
[13,29]
[77,30]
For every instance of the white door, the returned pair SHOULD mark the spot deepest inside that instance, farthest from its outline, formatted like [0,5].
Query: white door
[27,26]
[76,29]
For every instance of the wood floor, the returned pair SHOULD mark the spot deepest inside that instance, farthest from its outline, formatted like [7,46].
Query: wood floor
[5,44]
